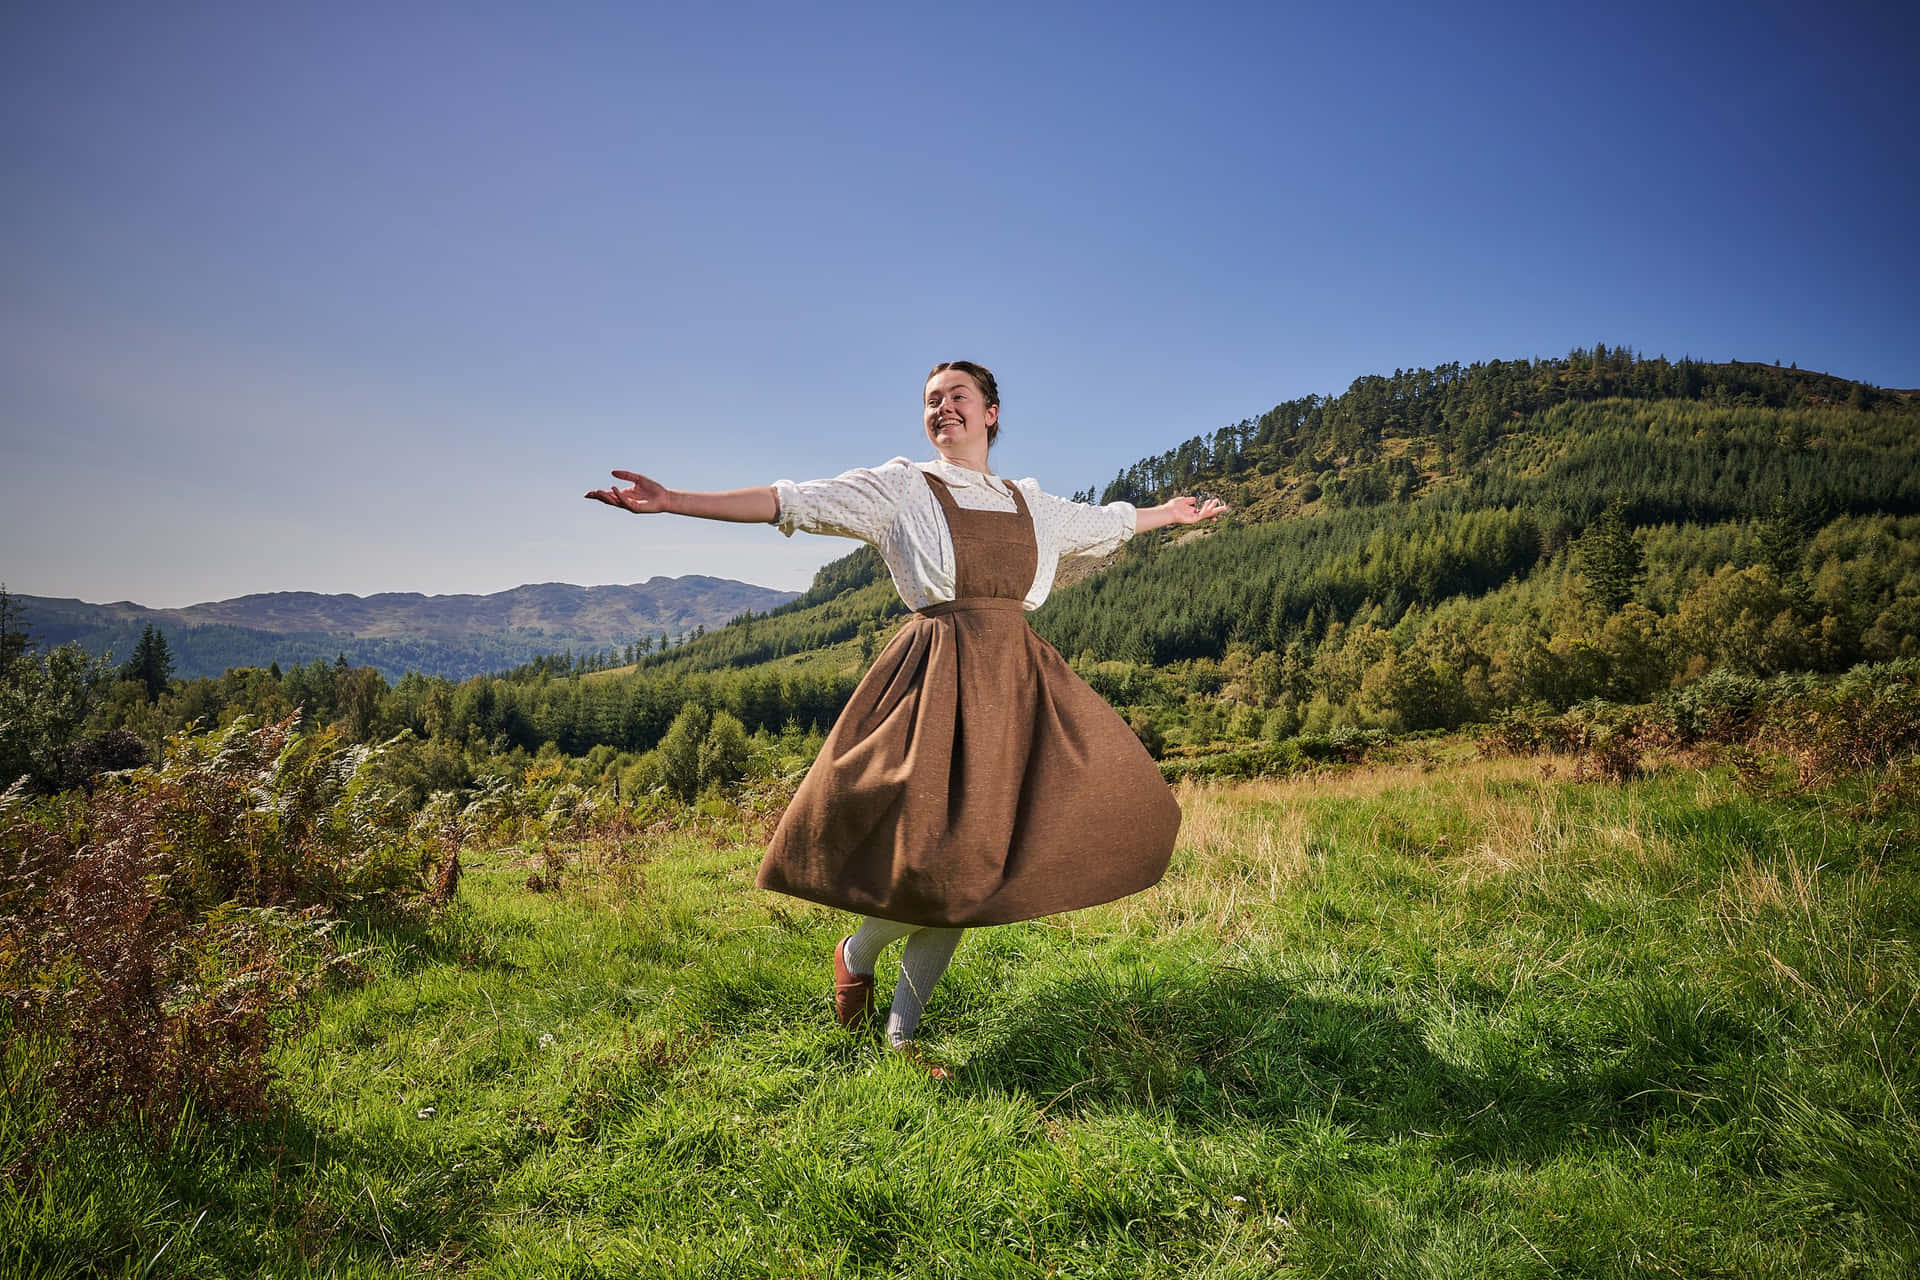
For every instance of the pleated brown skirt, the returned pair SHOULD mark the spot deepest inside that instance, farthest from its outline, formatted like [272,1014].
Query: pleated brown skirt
[974,779]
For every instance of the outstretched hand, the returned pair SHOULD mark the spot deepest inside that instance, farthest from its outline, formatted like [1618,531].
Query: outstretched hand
[1192,510]
[644,496]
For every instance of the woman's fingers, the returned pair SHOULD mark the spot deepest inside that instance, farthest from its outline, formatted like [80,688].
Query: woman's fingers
[636,497]
[1190,510]
[643,496]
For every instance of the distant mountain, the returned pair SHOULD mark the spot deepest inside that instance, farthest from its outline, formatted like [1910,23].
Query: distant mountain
[455,636]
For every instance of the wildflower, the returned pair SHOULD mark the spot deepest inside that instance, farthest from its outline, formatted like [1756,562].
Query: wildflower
[546,1041]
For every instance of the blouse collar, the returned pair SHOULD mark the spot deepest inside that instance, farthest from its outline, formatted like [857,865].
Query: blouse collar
[955,474]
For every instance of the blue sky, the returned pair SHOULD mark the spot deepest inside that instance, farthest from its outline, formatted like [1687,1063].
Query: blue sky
[363,297]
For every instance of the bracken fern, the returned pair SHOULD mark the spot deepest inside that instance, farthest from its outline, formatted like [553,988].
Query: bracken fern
[159,936]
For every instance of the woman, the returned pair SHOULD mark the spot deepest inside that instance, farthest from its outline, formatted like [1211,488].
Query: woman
[972,778]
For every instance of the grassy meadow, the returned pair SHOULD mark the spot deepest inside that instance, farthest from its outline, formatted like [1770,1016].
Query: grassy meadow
[1445,1016]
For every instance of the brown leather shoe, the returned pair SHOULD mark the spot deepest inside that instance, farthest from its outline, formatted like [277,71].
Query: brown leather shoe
[911,1052]
[852,992]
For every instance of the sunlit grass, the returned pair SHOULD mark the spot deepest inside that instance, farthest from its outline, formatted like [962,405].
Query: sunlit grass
[1449,1017]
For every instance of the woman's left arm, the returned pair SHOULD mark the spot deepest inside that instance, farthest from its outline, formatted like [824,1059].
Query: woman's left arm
[1177,511]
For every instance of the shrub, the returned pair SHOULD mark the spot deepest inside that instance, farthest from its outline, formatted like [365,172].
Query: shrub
[1148,732]
[87,758]
[1718,707]
[44,700]
[161,934]
[1265,760]
[498,801]
[570,809]
[1608,742]
[679,752]
[1344,743]
[1525,730]
[723,753]
[1868,719]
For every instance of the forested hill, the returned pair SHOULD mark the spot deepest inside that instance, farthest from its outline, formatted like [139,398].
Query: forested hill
[1432,545]
[1457,414]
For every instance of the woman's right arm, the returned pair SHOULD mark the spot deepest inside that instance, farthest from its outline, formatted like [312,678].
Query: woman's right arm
[646,496]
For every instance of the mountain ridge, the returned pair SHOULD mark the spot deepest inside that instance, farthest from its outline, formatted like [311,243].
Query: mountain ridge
[454,634]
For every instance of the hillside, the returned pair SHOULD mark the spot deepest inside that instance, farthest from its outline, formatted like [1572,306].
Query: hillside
[1429,548]
[455,636]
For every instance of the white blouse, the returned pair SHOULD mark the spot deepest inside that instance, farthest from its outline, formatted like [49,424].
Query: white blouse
[892,507]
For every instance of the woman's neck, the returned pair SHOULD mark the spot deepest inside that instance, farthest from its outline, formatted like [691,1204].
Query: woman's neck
[965,460]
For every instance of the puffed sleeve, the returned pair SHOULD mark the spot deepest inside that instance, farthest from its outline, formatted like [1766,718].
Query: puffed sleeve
[1079,529]
[861,503]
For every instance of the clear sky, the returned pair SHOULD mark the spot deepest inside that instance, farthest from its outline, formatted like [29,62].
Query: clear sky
[363,297]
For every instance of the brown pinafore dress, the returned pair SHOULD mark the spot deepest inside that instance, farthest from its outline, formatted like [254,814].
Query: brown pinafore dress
[974,778]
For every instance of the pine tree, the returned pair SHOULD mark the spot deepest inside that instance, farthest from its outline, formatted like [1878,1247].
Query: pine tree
[1610,559]
[14,638]
[723,754]
[680,751]
[1784,535]
[151,664]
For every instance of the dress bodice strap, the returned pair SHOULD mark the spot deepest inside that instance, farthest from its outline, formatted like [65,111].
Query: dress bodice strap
[944,493]
[995,553]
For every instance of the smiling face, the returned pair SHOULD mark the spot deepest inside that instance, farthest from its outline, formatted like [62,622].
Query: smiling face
[959,420]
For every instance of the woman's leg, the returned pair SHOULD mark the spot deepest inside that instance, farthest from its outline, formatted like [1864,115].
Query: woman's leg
[921,964]
[864,947]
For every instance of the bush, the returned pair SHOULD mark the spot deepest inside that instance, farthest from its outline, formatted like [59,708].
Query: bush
[1868,719]
[723,753]
[1148,732]
[570,809]
[1344,743]
[1525,730]
[1266,760]
[1718,707]
[111,752]
[679,752]
[1609,742]
[161,934]
[44,700]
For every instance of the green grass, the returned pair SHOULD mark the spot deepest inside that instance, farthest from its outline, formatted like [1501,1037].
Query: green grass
[1452,1018]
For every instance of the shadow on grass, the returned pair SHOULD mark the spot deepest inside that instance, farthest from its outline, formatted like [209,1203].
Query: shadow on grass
[294,1193]
[227,1198]
[291,1193]
[1224,1047]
